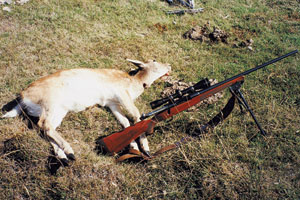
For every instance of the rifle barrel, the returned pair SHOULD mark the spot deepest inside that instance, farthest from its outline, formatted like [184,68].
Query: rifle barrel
[245,73]
[267,63]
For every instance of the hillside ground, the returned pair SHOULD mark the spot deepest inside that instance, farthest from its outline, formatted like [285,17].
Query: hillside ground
[233,161]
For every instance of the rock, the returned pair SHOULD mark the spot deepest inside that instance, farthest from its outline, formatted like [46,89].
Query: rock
[247,43]
[197,33]
[250,41]
[7,9]
[204,34]
[7,2]
[218,35]
[21,2]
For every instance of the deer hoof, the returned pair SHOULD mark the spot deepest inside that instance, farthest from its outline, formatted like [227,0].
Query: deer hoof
[147,153]
[71,156]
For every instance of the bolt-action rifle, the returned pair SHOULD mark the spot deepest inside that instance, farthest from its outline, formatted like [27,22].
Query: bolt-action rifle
[182,100]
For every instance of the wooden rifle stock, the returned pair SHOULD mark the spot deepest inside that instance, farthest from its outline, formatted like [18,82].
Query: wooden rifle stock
[118,141]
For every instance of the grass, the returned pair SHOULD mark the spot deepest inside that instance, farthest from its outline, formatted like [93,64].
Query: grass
[231,162]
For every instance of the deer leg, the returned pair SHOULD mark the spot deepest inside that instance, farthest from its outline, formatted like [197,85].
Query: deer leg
[59,153]
[61,144]
[116,110]
[144,144]
[132,109]
[48,123]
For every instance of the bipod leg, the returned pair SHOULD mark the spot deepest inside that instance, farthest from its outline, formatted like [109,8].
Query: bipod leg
[240,104]
[242,100]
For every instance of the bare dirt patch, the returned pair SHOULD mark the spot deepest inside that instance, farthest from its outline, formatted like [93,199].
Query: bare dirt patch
[205,34]
[215,35]
[6,26]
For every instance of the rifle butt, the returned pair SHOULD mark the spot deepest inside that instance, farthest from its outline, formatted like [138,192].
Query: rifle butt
[105,146]
[118,141]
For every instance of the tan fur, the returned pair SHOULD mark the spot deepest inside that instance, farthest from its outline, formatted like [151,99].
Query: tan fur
[51,97]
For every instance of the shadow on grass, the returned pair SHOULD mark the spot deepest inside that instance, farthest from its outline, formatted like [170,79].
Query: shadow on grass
[13,149]
[53,164]
[102,150]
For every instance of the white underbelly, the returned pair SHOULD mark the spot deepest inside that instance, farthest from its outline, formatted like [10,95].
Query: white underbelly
[82,99]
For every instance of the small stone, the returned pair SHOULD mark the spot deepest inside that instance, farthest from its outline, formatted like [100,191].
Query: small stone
[204,34]
[249,42]
[154,166]
[8,2]
[6,9]
[242,44]
[22,1]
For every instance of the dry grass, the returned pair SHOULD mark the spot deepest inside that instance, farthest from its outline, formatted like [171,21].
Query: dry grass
[232,162]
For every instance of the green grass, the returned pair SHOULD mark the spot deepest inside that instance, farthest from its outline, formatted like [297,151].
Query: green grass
[231,162]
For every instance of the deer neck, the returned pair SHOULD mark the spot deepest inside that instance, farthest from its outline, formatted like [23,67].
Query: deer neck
[141,82]
[144,79]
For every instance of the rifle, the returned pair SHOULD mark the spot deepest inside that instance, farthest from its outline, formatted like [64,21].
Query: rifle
[182,100]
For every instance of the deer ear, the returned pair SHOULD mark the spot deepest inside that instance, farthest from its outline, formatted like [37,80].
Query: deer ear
[137,63]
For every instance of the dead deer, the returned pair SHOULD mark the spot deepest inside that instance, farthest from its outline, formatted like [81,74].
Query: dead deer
[52,97]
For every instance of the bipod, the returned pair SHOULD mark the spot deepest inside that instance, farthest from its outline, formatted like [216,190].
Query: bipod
[235,90]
